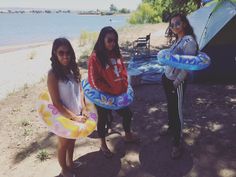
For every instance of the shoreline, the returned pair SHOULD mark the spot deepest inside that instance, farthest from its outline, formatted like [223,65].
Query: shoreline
[13,48]
[30,45]
[23,42]
[26,64]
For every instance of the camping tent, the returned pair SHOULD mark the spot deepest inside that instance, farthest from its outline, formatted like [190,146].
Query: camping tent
[215,29]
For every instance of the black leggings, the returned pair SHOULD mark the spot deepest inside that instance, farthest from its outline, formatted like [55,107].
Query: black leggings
[103,114]
[174,103]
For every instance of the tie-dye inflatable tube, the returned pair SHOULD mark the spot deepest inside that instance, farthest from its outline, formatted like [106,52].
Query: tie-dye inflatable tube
[105,100]
[186,62]
[62,126]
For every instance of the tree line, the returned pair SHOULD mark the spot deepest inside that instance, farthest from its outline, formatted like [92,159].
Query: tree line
[155,11]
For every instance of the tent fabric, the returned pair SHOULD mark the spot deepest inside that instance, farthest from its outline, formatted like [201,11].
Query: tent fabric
[208,21]
[214,26]
[222,51]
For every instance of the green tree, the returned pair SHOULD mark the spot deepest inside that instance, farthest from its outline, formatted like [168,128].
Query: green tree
[113,8]
[144,14]
[163,9]
[124,11]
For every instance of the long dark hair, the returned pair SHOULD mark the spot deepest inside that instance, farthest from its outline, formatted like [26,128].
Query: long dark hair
[100,49]
[188,30]
[57,68]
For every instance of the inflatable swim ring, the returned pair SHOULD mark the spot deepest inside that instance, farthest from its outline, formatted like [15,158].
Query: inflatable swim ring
[105,100]
[186,62]
[63,126]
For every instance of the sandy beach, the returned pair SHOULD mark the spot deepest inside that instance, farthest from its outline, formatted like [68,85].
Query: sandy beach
[209,130]
[23,67]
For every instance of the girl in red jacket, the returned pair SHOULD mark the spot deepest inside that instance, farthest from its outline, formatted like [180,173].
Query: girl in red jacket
[107,73]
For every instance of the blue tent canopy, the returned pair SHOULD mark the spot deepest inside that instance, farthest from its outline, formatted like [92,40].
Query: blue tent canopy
[215,26]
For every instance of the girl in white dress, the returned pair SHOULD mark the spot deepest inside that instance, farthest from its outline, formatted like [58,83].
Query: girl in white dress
[65,91]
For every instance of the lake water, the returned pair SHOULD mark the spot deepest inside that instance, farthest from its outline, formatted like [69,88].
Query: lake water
[27,28]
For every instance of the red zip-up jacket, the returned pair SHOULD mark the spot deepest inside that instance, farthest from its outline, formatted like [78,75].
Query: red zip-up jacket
[112,79]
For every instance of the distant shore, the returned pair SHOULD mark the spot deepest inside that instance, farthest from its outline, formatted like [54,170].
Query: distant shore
[58,11]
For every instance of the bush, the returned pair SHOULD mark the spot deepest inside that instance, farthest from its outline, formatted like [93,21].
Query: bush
[87,38]
[144,14]
[43,155]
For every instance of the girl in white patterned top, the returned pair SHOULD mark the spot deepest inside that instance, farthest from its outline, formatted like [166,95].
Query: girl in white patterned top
[64,89]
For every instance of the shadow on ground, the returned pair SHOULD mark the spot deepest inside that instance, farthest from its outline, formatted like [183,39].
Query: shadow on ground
[95,164]
[208,134]
[155,159]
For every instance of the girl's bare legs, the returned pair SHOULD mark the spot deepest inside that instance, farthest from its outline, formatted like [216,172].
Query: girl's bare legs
[70,152]
[63,145]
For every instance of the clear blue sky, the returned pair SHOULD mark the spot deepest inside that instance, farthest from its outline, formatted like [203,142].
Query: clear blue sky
[71,4]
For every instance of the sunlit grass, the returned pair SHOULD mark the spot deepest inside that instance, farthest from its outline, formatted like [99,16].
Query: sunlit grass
[87,38]
[43,155]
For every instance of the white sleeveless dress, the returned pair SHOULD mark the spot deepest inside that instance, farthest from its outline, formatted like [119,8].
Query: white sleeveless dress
[70,94]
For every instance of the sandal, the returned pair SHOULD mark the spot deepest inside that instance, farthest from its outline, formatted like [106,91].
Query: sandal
[111,131]
[76,164]
[106,152]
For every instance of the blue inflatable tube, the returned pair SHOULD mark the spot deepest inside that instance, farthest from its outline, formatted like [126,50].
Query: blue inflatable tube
[186,62]
[105,100]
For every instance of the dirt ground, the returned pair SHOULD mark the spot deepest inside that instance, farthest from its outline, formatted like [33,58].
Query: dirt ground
[209,135]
